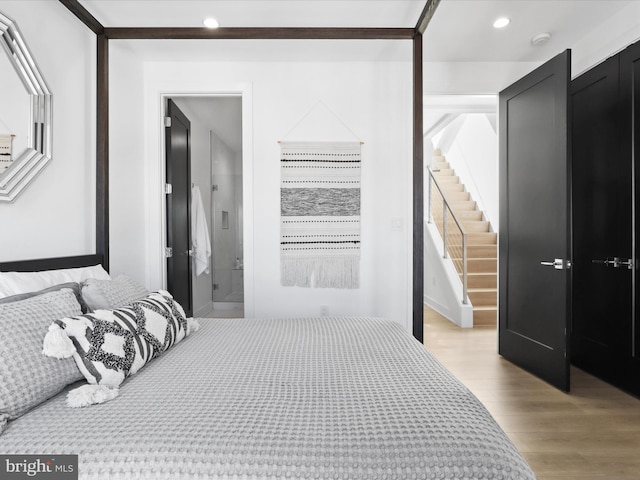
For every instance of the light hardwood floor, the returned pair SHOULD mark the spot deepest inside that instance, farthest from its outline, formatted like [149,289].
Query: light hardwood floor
[591,433]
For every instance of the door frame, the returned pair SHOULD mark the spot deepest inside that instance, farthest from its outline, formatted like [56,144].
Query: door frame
[155,101]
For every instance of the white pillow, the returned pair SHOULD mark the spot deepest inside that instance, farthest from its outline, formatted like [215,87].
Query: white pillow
[13,283]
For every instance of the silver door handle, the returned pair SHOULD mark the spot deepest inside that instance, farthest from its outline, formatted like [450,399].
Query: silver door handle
[606,262]
[617,262]
[558,264]
[627,263]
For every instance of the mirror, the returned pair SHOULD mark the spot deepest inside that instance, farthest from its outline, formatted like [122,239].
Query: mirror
[25,161]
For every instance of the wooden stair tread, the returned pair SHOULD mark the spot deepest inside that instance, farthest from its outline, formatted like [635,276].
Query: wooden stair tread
[448,179]
[453,197]
[476,226]
[482,238]
[444,172]
[470,215]
[463,205]
[485,318]
[453,187]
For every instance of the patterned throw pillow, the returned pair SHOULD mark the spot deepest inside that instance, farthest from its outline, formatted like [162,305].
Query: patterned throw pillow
[74,286]
[107,294]
[28,378]
[110,345]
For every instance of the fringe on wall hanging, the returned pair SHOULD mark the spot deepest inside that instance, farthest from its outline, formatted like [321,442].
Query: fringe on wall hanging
[320,214]
[5,151]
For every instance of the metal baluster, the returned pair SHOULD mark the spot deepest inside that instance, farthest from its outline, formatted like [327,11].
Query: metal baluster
[429,211]
[464,269]
[444,228]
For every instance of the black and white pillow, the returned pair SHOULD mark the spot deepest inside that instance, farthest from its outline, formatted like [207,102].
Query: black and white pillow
[110,345]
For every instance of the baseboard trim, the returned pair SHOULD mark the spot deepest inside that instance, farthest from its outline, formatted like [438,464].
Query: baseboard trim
[203,310]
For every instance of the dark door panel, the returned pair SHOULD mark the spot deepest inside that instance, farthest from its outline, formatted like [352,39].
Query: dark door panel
[535,307]
[602,222]
[605,106]
[630,99]
[178,174]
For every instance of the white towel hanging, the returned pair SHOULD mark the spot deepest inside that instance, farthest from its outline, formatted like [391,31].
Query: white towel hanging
[201,244]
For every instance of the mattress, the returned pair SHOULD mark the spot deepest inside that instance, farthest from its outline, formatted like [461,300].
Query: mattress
[310,398]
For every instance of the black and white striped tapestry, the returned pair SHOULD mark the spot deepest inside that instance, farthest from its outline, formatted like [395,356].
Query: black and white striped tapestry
[320,214]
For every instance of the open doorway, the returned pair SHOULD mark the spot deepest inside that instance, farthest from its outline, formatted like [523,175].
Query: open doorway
[461,177]
[217,179]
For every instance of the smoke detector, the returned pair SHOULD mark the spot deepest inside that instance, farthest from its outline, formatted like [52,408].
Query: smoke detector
[540,39]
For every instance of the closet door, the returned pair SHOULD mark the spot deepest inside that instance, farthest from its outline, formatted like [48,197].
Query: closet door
[602,225]
[630,88]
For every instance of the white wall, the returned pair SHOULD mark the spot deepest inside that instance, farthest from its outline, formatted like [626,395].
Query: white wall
[442,285]
[609,38]
[55,215]
[372,98]
[469,78]
[126,240]
[473,154]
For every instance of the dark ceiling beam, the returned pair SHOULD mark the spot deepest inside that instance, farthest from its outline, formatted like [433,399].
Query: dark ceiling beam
[427,14]
[268,33]
[83,14]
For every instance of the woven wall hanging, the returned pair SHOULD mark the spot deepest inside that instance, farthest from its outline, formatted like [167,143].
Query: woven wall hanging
[320,214]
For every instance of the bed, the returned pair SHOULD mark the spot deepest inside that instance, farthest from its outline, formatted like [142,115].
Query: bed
[304,398]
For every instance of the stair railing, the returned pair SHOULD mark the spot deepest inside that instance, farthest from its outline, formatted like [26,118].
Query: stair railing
[454,237]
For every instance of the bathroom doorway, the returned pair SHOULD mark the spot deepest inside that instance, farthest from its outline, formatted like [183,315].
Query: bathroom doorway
[217,179]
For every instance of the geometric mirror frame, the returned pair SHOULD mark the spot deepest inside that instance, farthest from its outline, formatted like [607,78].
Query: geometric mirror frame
[37,155]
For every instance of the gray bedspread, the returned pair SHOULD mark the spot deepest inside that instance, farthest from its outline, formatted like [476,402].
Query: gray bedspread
[323,398]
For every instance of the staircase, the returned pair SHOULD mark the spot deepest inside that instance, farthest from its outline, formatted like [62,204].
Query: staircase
[482,263]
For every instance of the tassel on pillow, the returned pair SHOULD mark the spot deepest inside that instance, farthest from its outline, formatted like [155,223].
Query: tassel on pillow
[193,325]
[57,344]
[90,395]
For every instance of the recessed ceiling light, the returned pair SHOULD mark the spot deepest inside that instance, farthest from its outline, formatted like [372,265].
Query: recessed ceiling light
[501,22]
[211,22]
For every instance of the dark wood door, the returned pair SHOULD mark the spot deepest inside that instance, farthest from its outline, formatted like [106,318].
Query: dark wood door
[178,174]
[535,306]
[602,222]
[630,98]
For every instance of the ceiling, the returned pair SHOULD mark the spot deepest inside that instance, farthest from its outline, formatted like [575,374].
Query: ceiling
[256,13]
[460,31]
[222,114]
